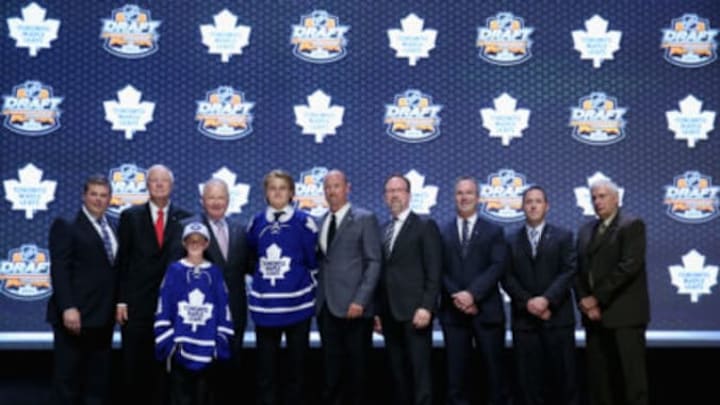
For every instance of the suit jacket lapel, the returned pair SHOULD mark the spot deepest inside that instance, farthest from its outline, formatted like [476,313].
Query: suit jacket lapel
[213,251]
[546,239]
[89,229]
[524,243]
[404,230]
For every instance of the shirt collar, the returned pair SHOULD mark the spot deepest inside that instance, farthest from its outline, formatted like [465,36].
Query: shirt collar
[403,215]
[287,213]
[91,217]
[539,228]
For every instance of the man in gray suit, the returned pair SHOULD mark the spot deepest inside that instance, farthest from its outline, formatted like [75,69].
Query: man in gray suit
[349,260]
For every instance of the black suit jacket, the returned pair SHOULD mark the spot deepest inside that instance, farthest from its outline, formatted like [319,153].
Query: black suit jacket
[617,263]
[141,263]
[479,272]
[549,274]
[411,273]
[82,275]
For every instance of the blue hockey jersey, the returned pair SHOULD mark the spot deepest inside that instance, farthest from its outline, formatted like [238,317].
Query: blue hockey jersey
[282,291]
[193,325]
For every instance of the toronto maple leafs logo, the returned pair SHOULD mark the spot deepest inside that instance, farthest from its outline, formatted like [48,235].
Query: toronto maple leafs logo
[25,274]
[693,278]
[505,121]
[412,41]
[596,43]
[238,191]
[692,198]
[319,38]
[598,120]
[195,311]
[422,197]
[129,114]
[274,265]
[691,124]
[505,40]
[318,117]
[583,196]
[129,187]
[32,109]
[309,193]
[130,33]
[225,38]
[690,42]
[413,117]
[224,114]
[501,197]
[33,31]
[30,193]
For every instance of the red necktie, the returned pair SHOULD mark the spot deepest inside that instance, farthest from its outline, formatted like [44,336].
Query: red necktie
[160,227]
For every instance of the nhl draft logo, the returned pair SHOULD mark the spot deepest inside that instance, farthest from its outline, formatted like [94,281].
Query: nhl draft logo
[274,265]
[413,117]
[422,197]
[583,195]
[501,196]
[129,114]
[309,193]
[33,31]
[598,120]
[505,40]
[32,109]
[224,114]
[690,42]
[693,278]
[692,198]
[129,188]
[195,311]
[25,274]
[505,121]
[225,38]
[596,43]
[412,41]
[30,193]
[238,191]
[691,123]
[319,38]
[130,33]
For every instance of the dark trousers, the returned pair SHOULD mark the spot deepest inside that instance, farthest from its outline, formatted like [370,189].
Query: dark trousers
[268,349]
[226,384]
[81,373]
[410,353]
[545,366]
[489,340]
[617,373]
[346,347]
[188,387]
[145,377]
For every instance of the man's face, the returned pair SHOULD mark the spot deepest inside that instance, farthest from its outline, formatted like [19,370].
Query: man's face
[215,201]
[159,184]
[535,207]
[604,201]
[278,193]
[336,190]
[466,198]
[96,199]
[397,195]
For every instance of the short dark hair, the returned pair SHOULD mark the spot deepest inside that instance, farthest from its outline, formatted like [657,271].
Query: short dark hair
[399,176]
[468,178]
[96,180]
[534,187]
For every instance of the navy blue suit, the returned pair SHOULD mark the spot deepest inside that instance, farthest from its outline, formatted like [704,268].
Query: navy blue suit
[478,272]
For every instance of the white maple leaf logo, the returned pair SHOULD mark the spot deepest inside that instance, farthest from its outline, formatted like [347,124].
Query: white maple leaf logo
[691,123]
[318,118]
[693,277]
[129,115]
[225,38]
[33,31]
[505,121]
[423,197]
[195,311]
[412,41]
[583,197]
[238,192]
[30,193]
[597,43]
[274,266]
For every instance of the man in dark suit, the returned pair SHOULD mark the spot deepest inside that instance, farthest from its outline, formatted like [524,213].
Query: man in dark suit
[409,285]
[349,257]
[539,273]
[471,306]
[228,250]
[612,293]
[149,240]
[82,305]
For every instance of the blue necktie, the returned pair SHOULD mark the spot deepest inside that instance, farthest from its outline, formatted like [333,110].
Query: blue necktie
[107,242]
[389,232]
[465,242]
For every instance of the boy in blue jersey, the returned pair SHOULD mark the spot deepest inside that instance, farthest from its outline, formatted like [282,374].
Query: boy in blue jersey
[281,297]
[193,326]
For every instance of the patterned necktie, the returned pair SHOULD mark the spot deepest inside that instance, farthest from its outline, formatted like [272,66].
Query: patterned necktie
[107,242]
[222,237]
[465,242]
[389,232]
[331,232]
[534,234]
[160,227]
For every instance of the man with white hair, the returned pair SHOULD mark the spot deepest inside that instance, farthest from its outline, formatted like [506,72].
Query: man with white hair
[611,289]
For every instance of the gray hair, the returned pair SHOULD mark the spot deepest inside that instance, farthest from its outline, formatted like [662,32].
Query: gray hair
[607,184]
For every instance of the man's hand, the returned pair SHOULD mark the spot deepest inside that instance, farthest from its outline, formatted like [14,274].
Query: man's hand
[539,306]
[463,300]
[355,311]
[71,320]
[121,314]
[377,325]
[422,318]
[594,314]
